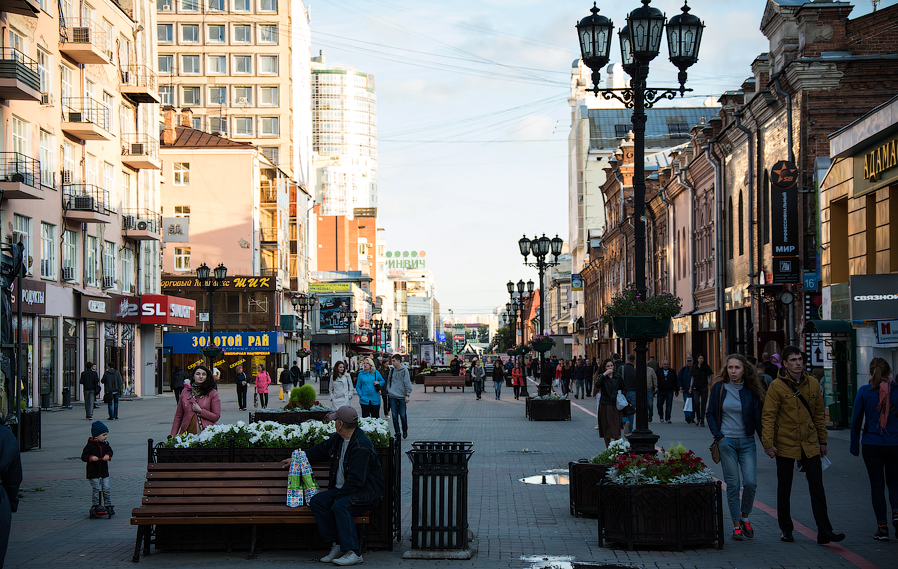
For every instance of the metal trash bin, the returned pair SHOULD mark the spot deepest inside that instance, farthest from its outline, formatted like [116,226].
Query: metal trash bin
[440,494]
[66,398]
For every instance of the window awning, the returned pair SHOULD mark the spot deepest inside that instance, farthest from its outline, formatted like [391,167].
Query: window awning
[828,326]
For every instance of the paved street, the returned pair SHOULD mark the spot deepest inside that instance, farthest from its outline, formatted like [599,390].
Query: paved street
[515,525]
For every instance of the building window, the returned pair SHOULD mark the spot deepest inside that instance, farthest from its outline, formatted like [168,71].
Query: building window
[190,33]
[678,129]
[216,5]
[190,96]
[243,65]
[218,125]
[268,33]
[19,136]
[243,126]
[48,251]
[181,175]
[730,227]
[165,33]
[182,211]
[269,126]
[271,152]
[90,264]
[43,70]
[108,103]
[165,63]
[217,64]
[70,251]
[127,270]
[268,64]
[241,5]
[621,130]
[165,95]
[22,234]
[218,95]
[190,6]
[268,5]
[765,209]
[243,33]
[216,33]
[109,184]
[68,164]
[126,190]
[243,95]
[741,225]
[164,5]
[47,158]
[108,262]
[65,82]
[182,258]
[197,123]
[268,96]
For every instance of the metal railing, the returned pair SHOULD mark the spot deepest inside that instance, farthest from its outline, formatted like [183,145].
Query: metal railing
[269,271]
[268,233]
[269,192]
[141,220]
[138,76]
[16,167]
[139,145]
[15,64]
[85,110]
[85,197]
[84,31]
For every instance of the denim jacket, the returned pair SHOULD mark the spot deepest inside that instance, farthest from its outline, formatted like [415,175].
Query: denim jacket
[363,479]
[751,411]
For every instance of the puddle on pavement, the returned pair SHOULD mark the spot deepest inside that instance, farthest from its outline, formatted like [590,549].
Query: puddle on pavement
[546,479]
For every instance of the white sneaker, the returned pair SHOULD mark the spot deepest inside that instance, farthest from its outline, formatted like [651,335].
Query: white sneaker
[349,558]
[335,552]
[596,427]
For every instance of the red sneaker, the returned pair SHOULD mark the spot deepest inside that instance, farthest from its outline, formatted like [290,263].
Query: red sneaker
[737,534]
[746,529]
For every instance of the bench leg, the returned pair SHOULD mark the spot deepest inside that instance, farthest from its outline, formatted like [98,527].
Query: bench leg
[136,558]
[252,543]
[147,532]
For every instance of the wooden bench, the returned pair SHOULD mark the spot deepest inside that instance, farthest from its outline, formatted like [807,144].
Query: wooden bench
[222,493]
[444,382]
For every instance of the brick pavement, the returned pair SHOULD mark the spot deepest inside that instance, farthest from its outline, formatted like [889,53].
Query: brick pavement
[516,525]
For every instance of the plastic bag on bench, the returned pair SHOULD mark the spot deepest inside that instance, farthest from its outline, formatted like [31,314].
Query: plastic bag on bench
[309,486]
[294,479]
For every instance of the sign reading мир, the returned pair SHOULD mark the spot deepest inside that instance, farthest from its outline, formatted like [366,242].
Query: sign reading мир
[784,208]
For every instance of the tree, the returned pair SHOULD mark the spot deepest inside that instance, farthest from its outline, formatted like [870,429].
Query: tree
[505,336]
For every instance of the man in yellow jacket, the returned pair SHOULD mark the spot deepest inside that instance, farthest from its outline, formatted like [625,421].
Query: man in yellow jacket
[794,430]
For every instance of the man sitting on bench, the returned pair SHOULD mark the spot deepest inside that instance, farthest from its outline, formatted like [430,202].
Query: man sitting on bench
[356,483]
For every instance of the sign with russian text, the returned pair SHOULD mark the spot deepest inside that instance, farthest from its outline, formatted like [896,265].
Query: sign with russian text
[784,209]
[887,332]
[190,282]
[874,297]
[875,167]
[33,296]
[330,287]
[175,229]
[576,282]
[231,343]
[785,270]
[169,310]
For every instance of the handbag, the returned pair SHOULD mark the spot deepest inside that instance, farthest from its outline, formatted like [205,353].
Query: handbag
[621,402]
[715,448]
[107,397]
[715,452]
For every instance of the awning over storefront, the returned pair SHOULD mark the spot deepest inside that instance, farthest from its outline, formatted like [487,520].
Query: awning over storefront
[828,326]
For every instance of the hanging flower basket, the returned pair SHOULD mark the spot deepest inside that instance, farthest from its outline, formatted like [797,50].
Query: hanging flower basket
[542,343]
[302,353]
[641,319]
[641,327]
[211,352]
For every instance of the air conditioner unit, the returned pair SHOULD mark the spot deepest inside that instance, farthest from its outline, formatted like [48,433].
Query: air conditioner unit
[68,274]
[138,149]
[84,203]
[75,116]
[66,176]
[46,98]
[166,7]
[242,101]
[81,35]
[128,222]
[108,282]
[143,225]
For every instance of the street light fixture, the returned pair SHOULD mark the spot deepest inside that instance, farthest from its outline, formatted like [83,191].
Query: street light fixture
[640,42]
[517,304]
[219,275]
[305,303]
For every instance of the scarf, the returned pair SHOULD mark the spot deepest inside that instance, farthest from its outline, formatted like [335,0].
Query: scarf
[885,390]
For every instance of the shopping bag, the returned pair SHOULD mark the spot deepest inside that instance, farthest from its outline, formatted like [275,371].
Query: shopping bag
[281,394]
[621,402]
[255,400]
[309,486]
[688,406]
[294,480]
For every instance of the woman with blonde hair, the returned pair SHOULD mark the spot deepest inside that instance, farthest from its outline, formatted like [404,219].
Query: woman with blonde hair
[875,424]
[734,416]
[368,386]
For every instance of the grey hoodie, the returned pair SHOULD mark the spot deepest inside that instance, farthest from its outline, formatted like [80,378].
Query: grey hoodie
[399,383]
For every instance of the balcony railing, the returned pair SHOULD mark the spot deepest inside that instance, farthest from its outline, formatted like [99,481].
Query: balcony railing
[85,197]
[85,110]
[83,31]
[268,234]
[19,79]
[269,271]
[141,220]
[15,167]
[140,145]
[269,193]
[138,76]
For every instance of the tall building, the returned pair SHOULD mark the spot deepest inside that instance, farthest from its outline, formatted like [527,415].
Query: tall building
[344,137]
[242,67]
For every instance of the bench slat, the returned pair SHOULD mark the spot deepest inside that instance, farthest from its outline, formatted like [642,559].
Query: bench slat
[214,485]
[220,474]
[181,520]
[279,498]
[279,490]
[215,509]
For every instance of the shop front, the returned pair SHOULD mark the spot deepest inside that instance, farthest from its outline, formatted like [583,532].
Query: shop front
[33,308]
[110,325]
[247,349]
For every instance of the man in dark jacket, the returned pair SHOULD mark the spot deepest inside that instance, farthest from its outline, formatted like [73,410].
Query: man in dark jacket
[355,484]
[627,374]
[90,382]
[113,384]
[177,382]
[667,387]
[298,379]
[10,478]
[286,380]
[684,382]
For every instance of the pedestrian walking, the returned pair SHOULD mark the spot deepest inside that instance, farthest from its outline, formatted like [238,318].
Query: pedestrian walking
[628,381]
[10,479]
[177,382]
[566,376]
[794,429]
[242,385]
[582,376]
[200,406]
[263,380]
[399,390]
[875,425]
[609,416]
[454,367]
[296,373]
[734,416]
[762,374]
[90,383]
[770,368]
[96,454]
[498,377]
[477,375]
[667,389]
[385,370]
[368,386]
[286,379]
[651,388]
[701,374]
[318,369]
[341,386]
[113,386]
[517,380]
[684,383]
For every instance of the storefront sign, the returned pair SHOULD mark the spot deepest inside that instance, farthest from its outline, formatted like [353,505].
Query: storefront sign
[887,332]
[404,260]
[175,229]
[115,308]
[231,283]
[330,287]
[127,309]
[576,282]
[231,343]
[784,209]
[736,297]
[34,295]
[96,308]
[874,297]
[330,312]
[876,167]
[168,310]
[361,339]
[785,270]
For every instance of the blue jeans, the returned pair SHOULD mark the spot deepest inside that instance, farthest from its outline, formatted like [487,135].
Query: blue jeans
[397,409]
[336,518]
[113,406]
[578,389]
[686,397]
[665,398]
[478,387]
[650,400]
[739,456]
[497,385]
[631,397]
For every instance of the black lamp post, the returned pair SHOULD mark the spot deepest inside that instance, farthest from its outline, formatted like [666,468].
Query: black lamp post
[219,275]
[640,42]
[517,305]
[377,325]
[305,303]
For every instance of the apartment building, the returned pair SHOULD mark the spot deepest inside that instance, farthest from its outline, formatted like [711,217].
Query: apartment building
[243,68]
[79,164]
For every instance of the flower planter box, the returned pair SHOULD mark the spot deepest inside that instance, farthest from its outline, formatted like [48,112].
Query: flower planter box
[655,515]
[549,410]
[288,417]
[385,517]
[640,328]
[585,477]
[542,346]
[31,429]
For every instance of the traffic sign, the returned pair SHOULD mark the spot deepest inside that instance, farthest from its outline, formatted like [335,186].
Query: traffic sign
[810,280]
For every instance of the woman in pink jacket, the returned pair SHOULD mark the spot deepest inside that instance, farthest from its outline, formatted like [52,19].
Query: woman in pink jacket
[198,407]
[262,382]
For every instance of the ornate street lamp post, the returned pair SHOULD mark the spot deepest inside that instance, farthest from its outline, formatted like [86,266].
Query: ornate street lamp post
[220,273]
[517,305]
[640,42]
[540,247]
[305,303]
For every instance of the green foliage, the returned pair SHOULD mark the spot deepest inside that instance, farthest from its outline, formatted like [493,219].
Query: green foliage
[302,397]
[628,303]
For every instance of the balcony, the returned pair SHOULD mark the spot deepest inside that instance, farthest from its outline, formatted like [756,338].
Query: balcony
[268,196]
[140,152]
[139,83]
[84,41]
[19,80]
[20,177]
[86,203]
[141,225]
[85,118]
[22,7]
[269,237]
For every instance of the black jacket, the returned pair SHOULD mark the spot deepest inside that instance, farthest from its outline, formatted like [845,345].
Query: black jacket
[240,379]
[627,373]
[609,386]
[113,382]
[10,472]
[701,376]
[667,380]
[363,479]
[99,468]
[498,372]
[286,376]
[294,371]
[177,379]
[90,380]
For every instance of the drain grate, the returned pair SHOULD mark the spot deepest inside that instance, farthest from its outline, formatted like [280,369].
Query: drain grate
[447,419]
[526,451]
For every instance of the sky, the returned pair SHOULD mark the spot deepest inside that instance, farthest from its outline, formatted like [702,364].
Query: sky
[473,118]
